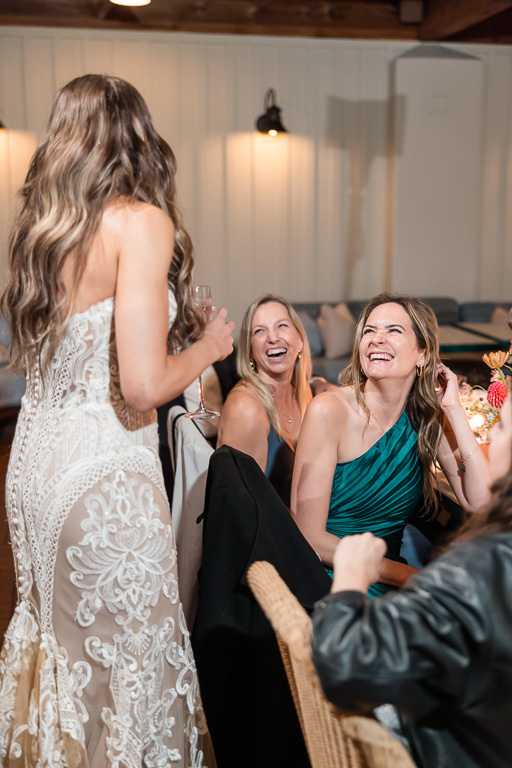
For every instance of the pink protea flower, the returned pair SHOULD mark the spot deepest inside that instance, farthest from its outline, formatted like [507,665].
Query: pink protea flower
[496,394]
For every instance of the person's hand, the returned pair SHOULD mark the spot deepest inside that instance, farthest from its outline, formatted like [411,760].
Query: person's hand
[357,562]
[319,384]
[219,333]
[448,392]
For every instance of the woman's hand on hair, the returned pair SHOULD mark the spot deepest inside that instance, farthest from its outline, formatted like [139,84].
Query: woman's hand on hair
[448,388]
[318,384]
[219,333]
[357,561]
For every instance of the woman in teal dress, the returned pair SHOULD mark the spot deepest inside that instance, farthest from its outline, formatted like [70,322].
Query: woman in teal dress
[366,450]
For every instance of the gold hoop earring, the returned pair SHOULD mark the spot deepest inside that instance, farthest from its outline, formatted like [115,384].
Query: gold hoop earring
[420,370]
[252,364]
[299,354]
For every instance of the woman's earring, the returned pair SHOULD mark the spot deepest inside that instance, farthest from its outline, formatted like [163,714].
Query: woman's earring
[420,370]
[252,364]
[299,354]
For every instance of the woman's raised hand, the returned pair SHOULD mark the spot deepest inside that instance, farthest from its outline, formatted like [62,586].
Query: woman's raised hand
[357,561]
[219,333]
[448,392]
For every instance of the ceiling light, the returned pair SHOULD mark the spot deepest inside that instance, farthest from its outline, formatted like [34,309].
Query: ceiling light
[130,2]
[270,123]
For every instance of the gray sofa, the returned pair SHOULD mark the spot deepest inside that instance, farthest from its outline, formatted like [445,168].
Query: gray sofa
[446,309]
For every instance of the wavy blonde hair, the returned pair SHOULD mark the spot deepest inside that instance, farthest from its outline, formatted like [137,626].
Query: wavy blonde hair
[422,405]
[302,369]
[100,145]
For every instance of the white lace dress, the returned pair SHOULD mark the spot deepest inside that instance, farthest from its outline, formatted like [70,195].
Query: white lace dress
[97,668]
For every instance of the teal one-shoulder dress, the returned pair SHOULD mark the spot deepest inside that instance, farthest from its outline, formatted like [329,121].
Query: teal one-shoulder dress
[378,491]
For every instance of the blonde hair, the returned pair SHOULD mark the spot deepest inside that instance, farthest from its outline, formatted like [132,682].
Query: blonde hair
[100,145]
[302,369]
[422,405]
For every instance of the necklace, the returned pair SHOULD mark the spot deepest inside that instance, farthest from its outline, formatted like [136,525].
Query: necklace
[288,417]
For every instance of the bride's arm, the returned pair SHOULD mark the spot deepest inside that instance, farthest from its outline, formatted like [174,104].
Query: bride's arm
[149,375]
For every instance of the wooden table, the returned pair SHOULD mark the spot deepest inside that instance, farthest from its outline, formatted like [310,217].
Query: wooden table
[455,338]
[497,332]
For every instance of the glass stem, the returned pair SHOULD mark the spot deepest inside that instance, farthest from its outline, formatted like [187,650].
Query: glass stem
[201,396]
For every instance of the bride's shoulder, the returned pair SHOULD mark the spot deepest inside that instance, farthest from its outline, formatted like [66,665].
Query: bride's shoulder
[123,217]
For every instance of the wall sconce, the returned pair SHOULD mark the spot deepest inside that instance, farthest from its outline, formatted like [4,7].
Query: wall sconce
[270,123]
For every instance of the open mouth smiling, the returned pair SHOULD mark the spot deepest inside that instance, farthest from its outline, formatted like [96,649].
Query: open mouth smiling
[375,356]
[276,353]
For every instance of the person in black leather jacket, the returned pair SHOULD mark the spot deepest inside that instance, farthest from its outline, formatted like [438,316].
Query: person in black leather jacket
[439,649]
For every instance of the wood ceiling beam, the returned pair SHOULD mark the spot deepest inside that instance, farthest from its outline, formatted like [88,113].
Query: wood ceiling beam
[444,19]
[367,19]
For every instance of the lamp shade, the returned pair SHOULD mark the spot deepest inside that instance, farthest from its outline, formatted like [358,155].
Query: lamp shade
[270,122]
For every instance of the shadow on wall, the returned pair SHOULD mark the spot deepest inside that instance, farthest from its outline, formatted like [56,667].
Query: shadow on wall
[366,130]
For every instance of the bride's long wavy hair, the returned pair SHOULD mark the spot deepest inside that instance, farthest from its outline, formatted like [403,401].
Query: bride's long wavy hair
[100,145]
[422,405]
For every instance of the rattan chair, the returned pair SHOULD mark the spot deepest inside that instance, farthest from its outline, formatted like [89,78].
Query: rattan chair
[334,739]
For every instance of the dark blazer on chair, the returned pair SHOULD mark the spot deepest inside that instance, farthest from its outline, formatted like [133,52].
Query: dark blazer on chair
[247,700]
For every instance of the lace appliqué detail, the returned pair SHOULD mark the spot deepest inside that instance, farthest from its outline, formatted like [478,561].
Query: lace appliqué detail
[40,709]
[128,560]
[125,564]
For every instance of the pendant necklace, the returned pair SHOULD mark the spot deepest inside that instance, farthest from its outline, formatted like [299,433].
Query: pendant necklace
[287,416]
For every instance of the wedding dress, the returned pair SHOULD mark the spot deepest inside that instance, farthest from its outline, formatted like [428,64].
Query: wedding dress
[97,668]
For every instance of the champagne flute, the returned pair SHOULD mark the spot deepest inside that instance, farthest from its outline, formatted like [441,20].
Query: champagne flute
[202,296]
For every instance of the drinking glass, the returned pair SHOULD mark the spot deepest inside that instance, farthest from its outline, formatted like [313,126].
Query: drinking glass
[202,296]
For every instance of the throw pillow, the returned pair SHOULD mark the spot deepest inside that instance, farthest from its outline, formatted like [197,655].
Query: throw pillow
[501,316]
[316,345]
[337,326]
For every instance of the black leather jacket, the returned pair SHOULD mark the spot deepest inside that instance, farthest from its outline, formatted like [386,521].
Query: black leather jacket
[440,649]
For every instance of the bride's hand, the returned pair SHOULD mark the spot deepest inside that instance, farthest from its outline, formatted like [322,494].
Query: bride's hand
[219,332]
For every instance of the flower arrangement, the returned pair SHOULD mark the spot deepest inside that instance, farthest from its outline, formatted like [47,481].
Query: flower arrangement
[483,406]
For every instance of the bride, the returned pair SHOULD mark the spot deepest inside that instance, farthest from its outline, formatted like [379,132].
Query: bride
[97,668]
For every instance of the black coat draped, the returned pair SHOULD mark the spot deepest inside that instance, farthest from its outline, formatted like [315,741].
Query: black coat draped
[246,697]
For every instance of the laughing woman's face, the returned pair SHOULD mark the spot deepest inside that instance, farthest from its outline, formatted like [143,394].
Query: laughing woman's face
[275,342]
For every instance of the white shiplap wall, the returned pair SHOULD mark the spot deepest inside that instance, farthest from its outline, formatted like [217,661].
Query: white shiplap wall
[308,215]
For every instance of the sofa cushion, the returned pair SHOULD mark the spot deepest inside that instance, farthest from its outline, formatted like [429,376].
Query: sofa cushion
[337,328]
[501,316]
[316,345]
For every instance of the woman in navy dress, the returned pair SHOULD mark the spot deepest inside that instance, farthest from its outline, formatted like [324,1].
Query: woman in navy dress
[263,412]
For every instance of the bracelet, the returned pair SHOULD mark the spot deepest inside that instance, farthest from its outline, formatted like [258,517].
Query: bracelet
[463,465]
[316,378]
